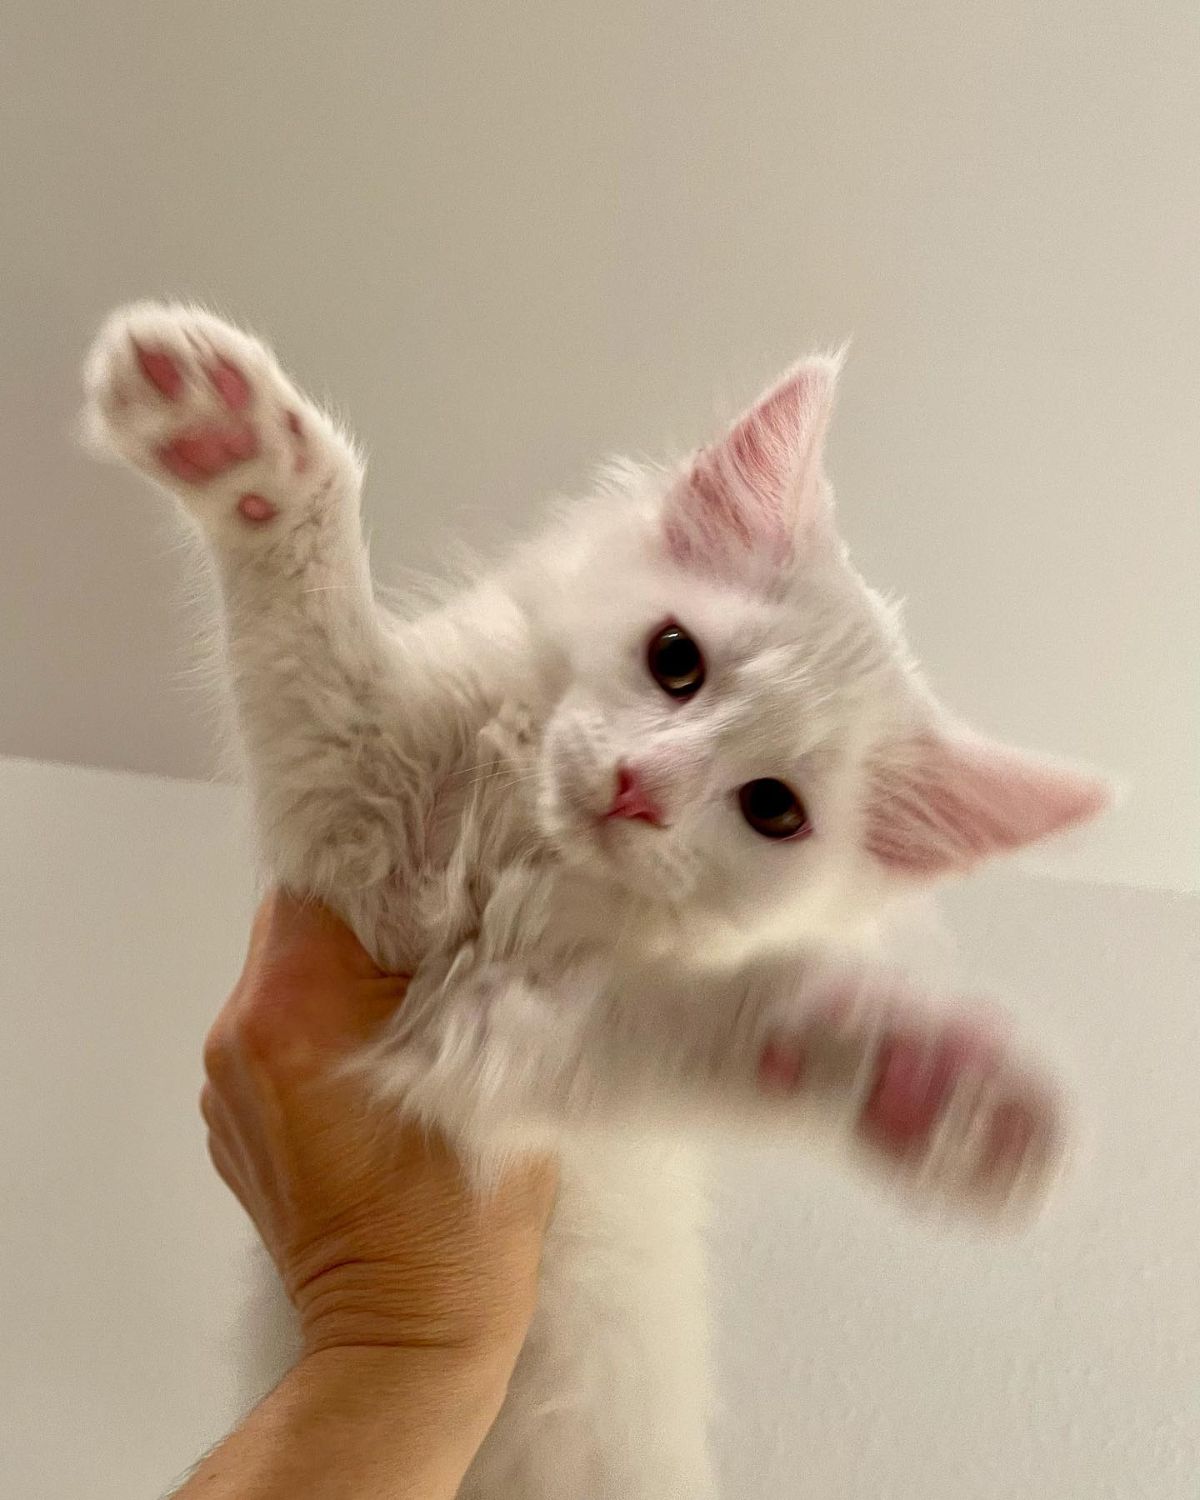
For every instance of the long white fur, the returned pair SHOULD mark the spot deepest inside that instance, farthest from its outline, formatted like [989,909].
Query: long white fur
[438,780]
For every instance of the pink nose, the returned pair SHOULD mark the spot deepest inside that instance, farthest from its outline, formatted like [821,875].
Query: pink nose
[631,799]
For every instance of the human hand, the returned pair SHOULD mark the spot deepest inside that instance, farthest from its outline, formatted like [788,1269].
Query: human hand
[376,1233]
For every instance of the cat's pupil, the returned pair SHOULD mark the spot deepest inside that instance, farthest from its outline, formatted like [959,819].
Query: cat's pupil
[773,809]
[675,662]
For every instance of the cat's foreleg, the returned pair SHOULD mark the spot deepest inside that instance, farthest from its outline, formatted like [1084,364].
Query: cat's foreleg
[205,411]
[936,1095]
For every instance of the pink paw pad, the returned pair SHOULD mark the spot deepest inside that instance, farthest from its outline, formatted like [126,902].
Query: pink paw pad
[1013,1129]
[781,1066]
[257,509]
[160,370]
[915,1078]
[205,452]
[230,384]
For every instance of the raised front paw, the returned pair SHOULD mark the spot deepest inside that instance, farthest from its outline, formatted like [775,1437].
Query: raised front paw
[205,410]
[939,1098]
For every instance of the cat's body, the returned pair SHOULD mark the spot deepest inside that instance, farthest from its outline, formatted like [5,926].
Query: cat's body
[567,802]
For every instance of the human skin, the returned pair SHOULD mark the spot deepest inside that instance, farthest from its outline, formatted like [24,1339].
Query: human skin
[413,1293]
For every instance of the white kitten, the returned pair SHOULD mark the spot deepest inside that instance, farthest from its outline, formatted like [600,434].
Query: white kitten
[622,807]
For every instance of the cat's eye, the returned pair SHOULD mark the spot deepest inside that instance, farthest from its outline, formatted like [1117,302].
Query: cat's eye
[675,662]
[773,809]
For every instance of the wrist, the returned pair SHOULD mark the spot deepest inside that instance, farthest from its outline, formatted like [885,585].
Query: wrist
[363,1307]
[356,1421]
[456,1390]
[418,1412]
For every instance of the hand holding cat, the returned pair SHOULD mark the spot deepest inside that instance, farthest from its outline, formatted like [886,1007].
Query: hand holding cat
[371,1224]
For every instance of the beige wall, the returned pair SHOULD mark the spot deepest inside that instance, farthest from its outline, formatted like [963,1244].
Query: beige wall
[512,237]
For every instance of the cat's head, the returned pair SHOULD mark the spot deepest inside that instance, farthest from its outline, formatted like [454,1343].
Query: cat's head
[737,724]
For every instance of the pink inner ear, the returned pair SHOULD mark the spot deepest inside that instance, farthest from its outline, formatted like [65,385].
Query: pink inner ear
[765,448]
[752,492]
[944,804]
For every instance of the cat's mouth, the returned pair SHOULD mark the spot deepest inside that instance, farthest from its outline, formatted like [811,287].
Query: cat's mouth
[631,855]
[616,840]
[615,836]
[610,819]
[638,854]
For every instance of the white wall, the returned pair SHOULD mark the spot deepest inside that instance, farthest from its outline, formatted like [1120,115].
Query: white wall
[123,918]
[864,1356]
[880,1358]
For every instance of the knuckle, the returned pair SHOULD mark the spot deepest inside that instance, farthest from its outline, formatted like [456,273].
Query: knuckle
[218,1047]
[208,1105]
[220,1160]
[261,1030]
[251,1028]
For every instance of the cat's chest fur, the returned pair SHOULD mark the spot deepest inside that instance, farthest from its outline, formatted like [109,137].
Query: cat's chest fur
[490,879]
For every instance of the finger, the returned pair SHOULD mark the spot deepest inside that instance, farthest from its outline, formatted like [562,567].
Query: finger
[231,1168]
[209,1105]
[218,1053]
[262,925]
[370,1005]
[311,983]
[218,1042]
[303,924]
[226,1165]
[264,919]
[223,1135]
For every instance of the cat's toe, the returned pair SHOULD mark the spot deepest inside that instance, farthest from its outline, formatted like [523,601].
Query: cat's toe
[960,1117]
[1017,1143]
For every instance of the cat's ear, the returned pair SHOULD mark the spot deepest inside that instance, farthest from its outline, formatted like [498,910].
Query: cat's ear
[756,494]
[945,801]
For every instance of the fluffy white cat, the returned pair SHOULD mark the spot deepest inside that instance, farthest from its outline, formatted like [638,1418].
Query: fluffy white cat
[625,807]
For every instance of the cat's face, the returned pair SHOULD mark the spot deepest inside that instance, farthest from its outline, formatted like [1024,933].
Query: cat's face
[704,751]
[740,732]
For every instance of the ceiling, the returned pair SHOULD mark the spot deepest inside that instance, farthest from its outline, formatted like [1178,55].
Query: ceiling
[511,239]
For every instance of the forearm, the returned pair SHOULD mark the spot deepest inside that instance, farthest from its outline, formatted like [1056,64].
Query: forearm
[358,1424]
